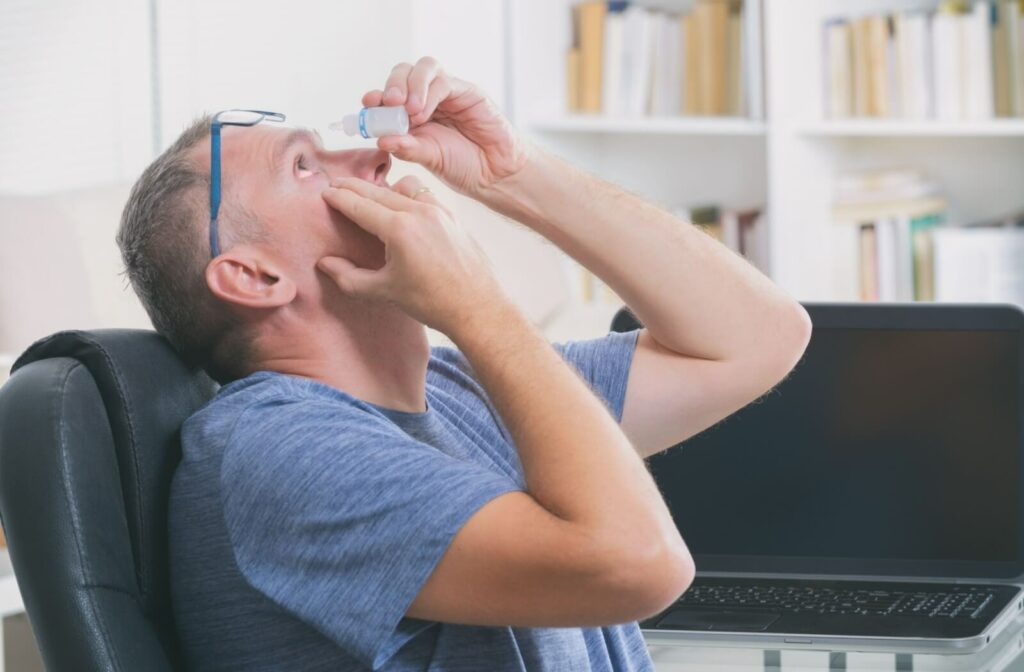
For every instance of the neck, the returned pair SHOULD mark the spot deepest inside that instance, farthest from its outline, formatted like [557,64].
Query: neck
[377,354]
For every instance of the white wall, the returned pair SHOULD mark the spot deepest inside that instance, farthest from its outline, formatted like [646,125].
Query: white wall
[79,124]
[74,93]
[311,59]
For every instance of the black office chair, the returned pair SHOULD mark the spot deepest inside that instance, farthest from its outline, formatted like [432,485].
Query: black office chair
[89,438]
[625,320]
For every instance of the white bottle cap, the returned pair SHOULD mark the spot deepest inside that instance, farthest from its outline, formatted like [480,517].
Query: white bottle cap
[349,123]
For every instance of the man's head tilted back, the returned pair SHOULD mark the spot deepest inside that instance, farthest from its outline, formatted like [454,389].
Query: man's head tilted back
[273,226]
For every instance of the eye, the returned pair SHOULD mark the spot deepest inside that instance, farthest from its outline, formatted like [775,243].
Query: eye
[301,167]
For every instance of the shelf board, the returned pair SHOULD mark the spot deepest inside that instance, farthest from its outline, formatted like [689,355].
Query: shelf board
[580,123]
[911,128]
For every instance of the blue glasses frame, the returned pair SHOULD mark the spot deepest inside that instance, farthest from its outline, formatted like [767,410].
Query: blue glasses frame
[254,117]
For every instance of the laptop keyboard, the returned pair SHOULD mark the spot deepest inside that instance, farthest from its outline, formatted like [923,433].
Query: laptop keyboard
[798,599]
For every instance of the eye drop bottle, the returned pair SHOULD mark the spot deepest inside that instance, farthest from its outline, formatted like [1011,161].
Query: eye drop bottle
[373,122]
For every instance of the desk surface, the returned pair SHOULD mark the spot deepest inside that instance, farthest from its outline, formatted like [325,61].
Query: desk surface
[1004,654]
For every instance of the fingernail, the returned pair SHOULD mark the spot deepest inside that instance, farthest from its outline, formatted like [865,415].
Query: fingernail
[394,92]
[414,102]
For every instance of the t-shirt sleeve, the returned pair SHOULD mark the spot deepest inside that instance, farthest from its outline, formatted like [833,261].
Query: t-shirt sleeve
[340,519]
[604,363]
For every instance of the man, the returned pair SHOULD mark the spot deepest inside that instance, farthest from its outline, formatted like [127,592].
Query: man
[352,498]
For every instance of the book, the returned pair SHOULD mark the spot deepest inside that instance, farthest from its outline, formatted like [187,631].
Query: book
[739,232]
[1015,49]
[897,192]
[962,61]
[946,76]
[860,40]
[979,264]
[630,59]
[753,75]
[691,71]
[636,53]
[839,69]
[708,218]
[894,211]
[923,265]
[734,98]
[591,40]
[711,18]
[913,64]
[977,61]
[572,80]
[1008,57]
[878,66]
[667,65]
[613,82]
[1001,59]
[868,263]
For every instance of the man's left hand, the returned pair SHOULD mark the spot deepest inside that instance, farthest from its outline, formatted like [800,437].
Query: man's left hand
[456,132]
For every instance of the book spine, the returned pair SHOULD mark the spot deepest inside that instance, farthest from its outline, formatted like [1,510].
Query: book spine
[612,83]
[868,262]
[591,19]
[1001,57]
[977,94]
[753,73]
[878,66]
[1015,54]
[839,82]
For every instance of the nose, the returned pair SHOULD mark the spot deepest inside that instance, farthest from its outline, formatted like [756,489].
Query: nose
[371,165]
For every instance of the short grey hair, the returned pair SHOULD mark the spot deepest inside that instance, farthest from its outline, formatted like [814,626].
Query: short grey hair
[164,244]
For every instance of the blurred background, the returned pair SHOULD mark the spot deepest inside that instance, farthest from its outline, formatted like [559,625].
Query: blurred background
[854,150]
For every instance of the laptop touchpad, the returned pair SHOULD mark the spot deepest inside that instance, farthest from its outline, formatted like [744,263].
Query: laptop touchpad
[709,619]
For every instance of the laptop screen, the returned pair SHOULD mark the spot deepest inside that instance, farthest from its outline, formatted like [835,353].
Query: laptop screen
[885,451]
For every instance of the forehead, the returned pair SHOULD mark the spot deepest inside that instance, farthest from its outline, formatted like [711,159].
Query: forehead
[248,150]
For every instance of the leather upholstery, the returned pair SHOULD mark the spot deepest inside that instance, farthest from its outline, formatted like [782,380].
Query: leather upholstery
[89,439]
[625,320]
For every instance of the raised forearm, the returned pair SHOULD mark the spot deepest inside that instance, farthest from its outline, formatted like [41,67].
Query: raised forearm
[693,294]
[578,463]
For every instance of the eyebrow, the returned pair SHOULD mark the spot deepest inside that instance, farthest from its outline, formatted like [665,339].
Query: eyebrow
[294,137]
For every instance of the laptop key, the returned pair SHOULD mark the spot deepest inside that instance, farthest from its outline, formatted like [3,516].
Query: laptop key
[954,603]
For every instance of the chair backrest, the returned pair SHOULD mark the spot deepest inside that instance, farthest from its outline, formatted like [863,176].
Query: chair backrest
[625,320]
[89,439]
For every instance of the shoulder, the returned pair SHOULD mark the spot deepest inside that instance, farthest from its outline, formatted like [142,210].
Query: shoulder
[284,431]
[450,372]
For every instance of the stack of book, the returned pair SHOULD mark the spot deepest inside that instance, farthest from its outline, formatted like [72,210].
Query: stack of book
[628,60]
[963,61]
[895,212]
[741,230]
[980,262]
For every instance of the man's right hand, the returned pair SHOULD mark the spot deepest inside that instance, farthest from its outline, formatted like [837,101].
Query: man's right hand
[434,271]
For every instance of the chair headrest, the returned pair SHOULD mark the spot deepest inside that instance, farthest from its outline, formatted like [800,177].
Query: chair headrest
[148,392]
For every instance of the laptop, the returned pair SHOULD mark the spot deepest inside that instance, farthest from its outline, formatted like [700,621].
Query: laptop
[872,500]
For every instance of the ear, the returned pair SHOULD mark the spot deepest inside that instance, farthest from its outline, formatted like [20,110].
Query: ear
[247,277]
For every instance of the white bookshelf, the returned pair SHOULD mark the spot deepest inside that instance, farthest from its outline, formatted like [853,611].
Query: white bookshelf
[785,162]
[708,126]
[996,128]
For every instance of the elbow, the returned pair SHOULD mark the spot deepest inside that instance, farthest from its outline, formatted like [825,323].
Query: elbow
[646,581]
[793,333]
[796,334]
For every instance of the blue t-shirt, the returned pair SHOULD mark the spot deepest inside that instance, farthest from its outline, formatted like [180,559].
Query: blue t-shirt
[304,521]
